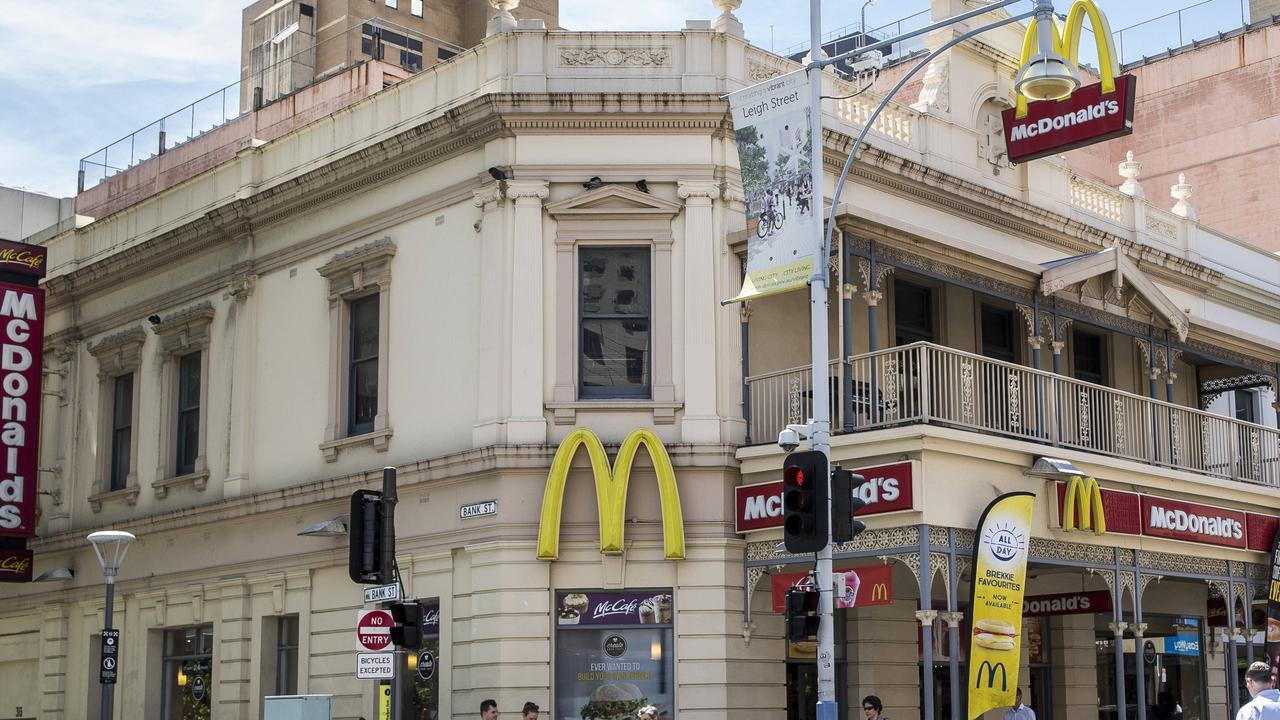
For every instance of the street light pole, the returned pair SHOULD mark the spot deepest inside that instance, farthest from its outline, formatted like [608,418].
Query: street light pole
[1051,78]
[110,546]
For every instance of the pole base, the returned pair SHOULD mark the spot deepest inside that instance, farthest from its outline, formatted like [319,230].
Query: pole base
[827,710]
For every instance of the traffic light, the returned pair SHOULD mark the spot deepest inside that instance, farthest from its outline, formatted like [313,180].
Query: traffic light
[408,617]
[804,501]
[802,614]
[845,502]
[364,530]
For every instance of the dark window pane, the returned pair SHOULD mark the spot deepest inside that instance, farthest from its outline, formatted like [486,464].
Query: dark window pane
[1244,406]
[1088,357]
[366,46]
[364,328]
[913,312]
[287,655]
[121,431]
[615,287]
[362,393]
[998,333]
[188,426]
[615,353]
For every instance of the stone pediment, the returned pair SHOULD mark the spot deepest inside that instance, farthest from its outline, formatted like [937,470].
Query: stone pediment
[1111,278]
[614,201]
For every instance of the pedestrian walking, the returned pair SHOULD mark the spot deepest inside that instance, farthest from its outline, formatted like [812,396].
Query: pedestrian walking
[1019,711]
[489,710]
[648,712]
[872,707]
[529,712]
[1265,704]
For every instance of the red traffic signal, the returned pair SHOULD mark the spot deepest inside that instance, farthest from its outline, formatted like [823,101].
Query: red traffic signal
[804,501]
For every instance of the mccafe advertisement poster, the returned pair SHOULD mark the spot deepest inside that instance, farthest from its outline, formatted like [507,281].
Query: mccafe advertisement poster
[1273,607]
[614,654]
[999,584]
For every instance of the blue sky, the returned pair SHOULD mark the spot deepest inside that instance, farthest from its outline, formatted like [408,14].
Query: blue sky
[77,75]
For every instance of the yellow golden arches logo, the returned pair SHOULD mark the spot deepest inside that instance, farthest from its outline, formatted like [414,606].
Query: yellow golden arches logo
[1082,506]
[1066,42]
[879,591]
[611,492]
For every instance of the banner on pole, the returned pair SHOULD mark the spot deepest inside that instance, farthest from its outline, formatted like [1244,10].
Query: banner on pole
[999,584]
[775,152]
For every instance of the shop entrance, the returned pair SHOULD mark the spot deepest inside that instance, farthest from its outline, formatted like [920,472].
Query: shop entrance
[802,691]
[1173,669]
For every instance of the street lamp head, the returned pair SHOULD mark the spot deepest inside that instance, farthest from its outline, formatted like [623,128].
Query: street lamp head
[110,547]
[1047,76]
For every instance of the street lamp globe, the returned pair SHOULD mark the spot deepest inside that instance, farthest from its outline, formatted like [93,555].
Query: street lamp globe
[1047,76]
[110,547]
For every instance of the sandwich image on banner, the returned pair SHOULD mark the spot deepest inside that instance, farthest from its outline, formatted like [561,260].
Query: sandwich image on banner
[1272,646]
[775,152]
[999,585]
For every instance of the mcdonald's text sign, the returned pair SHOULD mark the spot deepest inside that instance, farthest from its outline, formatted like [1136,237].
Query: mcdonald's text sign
[1087,117]
[889,488]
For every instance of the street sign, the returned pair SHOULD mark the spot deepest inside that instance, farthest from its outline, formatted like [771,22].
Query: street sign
[375,666]
[382,593]
[480,509]
[110,657]
[373,630]
[426,665]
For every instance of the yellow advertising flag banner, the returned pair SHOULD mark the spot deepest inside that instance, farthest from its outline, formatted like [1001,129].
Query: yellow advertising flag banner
[999,584]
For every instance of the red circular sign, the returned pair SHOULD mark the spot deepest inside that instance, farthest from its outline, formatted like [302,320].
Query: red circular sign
[373,630]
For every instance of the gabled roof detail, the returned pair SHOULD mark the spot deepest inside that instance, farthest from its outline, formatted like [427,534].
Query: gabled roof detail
[615,201]
[1060,274]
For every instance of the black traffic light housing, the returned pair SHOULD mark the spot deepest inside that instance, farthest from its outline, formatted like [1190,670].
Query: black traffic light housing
[364,530]
[803,618]
[845,504]
[408,629]
[804,501]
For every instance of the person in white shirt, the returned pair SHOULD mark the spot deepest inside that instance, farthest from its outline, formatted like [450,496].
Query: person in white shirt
[1019,711]
[1265,704]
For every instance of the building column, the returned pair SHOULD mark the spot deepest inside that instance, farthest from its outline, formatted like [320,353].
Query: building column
[527,424]
[1139,629]
[701,422]
[244,312]
[490,351]
[234,634]
[54,653]
[1117,630]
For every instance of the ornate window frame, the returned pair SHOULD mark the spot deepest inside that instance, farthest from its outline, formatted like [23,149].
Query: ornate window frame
[118,354]
[352,275]
[613,216]
[182,333]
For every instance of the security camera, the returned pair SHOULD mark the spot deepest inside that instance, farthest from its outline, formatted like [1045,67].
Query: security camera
[789,439]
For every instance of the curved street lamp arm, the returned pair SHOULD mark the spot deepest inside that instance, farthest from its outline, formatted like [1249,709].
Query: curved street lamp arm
[853,152]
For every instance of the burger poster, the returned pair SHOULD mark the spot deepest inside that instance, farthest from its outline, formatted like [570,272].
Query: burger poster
[1273,607]
[613,654]
[999,583]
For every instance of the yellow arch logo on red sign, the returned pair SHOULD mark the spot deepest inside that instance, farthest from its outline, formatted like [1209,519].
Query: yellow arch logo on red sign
[611,492]
[1066,42]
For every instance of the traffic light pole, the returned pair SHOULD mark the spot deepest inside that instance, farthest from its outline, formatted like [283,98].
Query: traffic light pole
[389,500]
[820,425]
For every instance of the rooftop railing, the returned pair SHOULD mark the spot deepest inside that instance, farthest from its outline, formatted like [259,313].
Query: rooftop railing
[923,383]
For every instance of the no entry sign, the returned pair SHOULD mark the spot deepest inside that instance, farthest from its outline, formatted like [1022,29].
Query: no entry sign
[373,630]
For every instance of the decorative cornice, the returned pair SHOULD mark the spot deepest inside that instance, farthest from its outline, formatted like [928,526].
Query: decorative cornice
[121,340]
[615,56]
[708,189]
[186,330]
[528,190]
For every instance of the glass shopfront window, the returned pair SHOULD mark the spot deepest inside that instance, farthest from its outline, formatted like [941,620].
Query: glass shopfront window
[1173,668]
[614,653]
[188,673]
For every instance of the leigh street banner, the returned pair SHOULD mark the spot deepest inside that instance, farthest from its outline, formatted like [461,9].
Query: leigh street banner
[771,121]
[999,584]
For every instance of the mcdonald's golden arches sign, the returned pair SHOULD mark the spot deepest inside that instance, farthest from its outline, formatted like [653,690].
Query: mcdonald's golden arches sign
[611,491]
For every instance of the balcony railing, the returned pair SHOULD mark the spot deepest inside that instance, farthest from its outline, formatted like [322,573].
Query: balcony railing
[926,383]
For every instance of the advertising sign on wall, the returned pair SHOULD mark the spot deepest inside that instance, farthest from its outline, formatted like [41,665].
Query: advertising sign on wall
[889,488]
[999,582]
[21,351]
[614,653]
[1272,647]
[15,565]
[771,122]
[864,586]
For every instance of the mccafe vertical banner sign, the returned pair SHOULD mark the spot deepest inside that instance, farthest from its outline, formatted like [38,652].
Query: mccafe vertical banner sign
[1091,114]
[21,351]
[1273,608]
[999,584]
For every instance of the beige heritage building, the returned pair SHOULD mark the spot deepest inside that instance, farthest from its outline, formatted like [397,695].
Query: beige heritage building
[452,270]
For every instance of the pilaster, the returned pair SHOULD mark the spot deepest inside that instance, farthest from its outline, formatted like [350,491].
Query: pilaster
[54,649]
[700,422]
[490,199]
[526,423]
